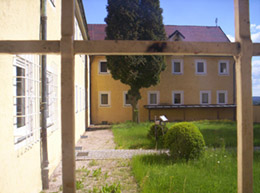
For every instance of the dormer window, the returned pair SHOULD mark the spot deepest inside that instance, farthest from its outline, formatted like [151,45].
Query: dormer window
[176,36]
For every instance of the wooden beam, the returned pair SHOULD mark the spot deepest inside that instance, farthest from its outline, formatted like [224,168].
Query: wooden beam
[130,47]
[256,51]
[67,97]
[244,98]
[32,46]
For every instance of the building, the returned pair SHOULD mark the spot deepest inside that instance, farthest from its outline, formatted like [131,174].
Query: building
[191,88]
[20,98]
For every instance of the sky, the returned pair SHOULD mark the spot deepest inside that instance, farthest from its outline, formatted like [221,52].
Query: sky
[196,12]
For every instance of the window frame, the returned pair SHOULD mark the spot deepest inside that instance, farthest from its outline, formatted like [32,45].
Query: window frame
[226,96]
[124,99]
[109,98]
[204,66]
[157,97]
[181,66]
[219,67]
[99,68]
[209,97]
[181,92]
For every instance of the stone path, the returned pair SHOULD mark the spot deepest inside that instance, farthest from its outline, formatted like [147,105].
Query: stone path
[99,163]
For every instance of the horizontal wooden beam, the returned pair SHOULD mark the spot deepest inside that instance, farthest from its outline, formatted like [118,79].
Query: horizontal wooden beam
[29,47]
[256,47]
[125,47]
[130,47]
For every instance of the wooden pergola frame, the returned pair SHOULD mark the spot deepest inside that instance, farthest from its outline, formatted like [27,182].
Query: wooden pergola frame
[242,50]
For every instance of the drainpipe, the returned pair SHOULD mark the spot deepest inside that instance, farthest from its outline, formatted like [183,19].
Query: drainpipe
[44,105]
[234,91]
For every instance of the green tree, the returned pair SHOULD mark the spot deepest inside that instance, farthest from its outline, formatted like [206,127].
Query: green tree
[131,20]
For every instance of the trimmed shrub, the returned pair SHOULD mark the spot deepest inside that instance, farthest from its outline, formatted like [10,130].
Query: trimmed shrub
[159,130]
[184,141]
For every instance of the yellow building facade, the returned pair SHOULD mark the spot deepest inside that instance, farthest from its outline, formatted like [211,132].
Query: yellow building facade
[20,98]
[190,88]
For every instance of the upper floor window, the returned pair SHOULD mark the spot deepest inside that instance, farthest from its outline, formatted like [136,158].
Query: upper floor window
[104,99]
[223,67]
[177,97]
[103,67]
[126,99]
[205,97]
[222,97]
[153,97]
[177,66]
[201,66]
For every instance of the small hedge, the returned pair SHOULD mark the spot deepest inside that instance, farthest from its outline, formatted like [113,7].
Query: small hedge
[160,131]
[184,141]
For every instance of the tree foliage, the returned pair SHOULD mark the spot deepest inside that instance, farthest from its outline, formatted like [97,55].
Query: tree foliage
[135,20]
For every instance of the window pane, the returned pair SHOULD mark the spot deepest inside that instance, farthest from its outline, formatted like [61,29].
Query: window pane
[103,66]
[177,98]
[127,101]
[20,93]
[153,98]
[223,68]
[221,97]
[104,99]
[200,67]
[205,98]
[177,67]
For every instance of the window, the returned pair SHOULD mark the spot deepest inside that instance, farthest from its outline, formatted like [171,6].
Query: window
[222,97]
[205,97]
[104,99]
[103,67]
[177,97]
[153,97]
[126,99]
[201,66]
[223,67]
[26,100]
[177,66]
[52,99]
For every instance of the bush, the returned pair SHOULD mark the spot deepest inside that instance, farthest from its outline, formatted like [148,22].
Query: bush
[159,130]
[185,141]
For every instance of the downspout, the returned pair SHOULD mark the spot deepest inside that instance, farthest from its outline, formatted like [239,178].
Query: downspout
[44,105]
[234,91]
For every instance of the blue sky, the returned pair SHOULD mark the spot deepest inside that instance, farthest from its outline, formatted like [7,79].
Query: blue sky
[196,12]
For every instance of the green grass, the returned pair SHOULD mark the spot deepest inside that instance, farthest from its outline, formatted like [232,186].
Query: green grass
[214,172]
[216,134]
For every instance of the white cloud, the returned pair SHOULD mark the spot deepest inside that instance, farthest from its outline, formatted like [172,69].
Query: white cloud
[256,76]
[258,27]
[231,38]
[255,37]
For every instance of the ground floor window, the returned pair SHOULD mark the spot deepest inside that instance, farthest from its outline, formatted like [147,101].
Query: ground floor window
[104,99]
[26,76]
[222,97]
[205,97]
[177,97]
[126,99]
[153,97]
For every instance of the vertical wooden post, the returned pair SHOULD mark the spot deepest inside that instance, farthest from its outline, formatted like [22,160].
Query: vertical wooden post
[244,98]
[67,96]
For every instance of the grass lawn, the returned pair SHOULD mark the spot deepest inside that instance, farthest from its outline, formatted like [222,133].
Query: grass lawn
[214,173]
[216,134]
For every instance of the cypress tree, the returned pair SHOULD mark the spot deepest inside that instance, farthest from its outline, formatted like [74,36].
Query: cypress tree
[129,20]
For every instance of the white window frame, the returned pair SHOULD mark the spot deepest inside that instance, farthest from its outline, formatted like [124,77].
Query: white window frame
[99,68]
[28,134]
[109,98]
[182,97]
[204,67]
[226,96]
[209,97]
[181,66]
[124,101]
[76,99]
[219,67]
[53,97]
[157,97]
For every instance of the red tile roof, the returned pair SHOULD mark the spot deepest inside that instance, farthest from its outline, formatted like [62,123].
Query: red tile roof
[191,33]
